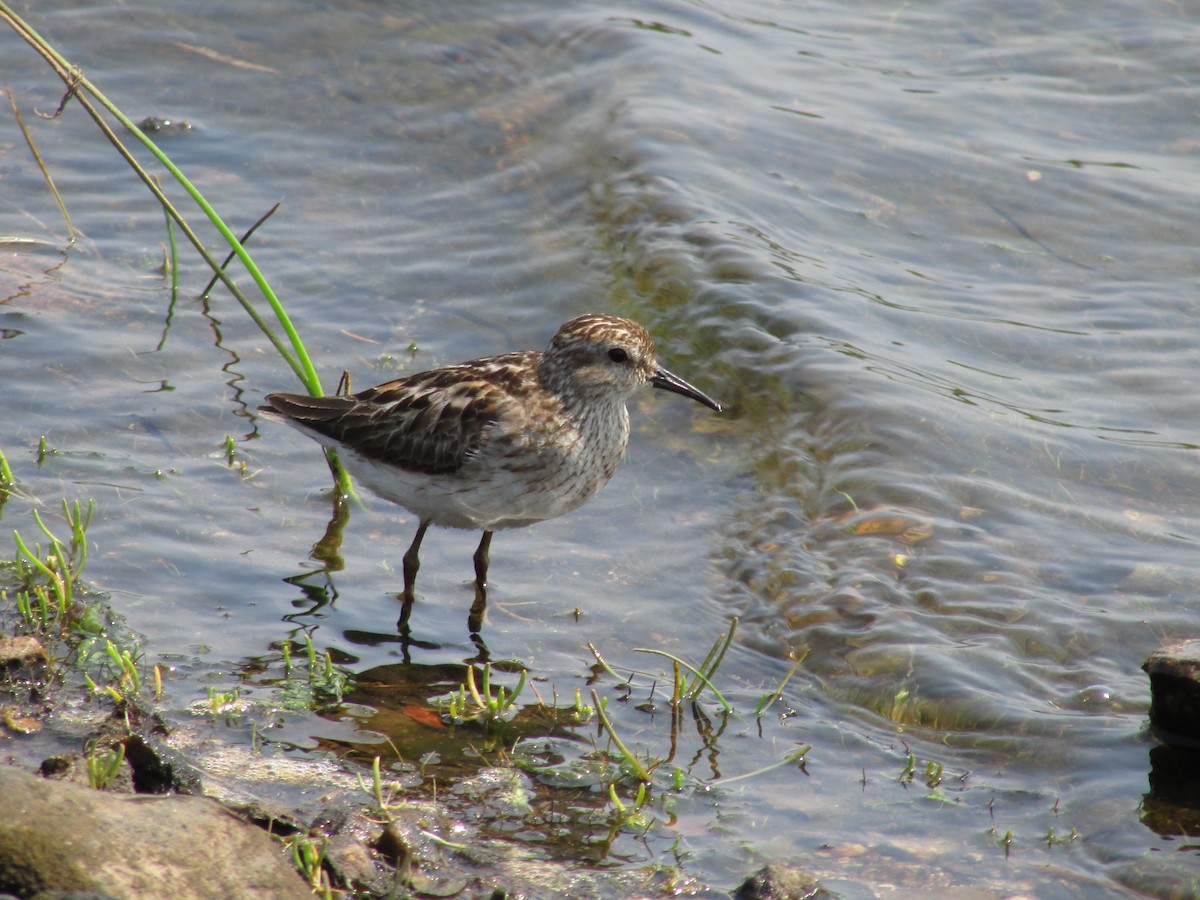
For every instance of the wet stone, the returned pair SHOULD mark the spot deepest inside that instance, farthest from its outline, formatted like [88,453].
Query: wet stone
[20,651]
[1174,673]
[780,881]
[57,836]
[354,866]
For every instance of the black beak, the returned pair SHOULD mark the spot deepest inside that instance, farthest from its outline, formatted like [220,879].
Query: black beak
[668,382]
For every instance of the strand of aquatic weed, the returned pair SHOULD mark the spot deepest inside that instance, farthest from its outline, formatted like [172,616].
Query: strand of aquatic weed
[79,86]
[788,759]
[171,261]
[62,207]
[7,481]
[706,669]
[639,770]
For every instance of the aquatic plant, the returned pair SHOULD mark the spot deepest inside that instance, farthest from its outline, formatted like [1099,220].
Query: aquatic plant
[88,95]
[104,764]
[48,579]
[685,689]
[308,856]
[480,705]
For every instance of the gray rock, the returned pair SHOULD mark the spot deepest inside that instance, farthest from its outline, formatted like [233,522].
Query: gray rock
[20,651]
[1174,673]
[780,881]
[56,836]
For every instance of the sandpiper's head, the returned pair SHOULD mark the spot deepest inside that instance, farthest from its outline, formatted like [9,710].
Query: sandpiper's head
[597,356]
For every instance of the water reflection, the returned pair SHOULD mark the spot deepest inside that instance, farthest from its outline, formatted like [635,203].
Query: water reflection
[1170,808]
[959,473]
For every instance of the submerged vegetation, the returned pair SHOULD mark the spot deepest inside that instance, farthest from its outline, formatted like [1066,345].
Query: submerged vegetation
[88,96]
[622,783]
[620,758]
[620,786]
[43,596]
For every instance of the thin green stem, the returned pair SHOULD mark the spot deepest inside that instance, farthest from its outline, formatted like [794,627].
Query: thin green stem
[700,675]
[604,665]
[634,762]
[787,760]
[74,80]
[71,76]
[62,207]
[6,476]
[172,255]
[242,240]
[711,664]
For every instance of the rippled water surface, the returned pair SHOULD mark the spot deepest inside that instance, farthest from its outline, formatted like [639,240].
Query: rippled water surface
[938,260]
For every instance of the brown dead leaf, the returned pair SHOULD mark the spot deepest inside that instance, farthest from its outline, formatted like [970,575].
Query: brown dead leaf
[424,716]
[890,522]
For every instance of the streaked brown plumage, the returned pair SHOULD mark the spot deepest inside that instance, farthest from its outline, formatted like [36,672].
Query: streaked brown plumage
[493,443]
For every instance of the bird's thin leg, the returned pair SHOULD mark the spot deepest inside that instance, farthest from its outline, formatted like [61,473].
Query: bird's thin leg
[482,559]
[412,562]
[475,619]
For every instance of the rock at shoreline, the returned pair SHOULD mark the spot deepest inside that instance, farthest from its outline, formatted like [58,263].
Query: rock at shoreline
[56,836]
[780,881]
[1174,673]
[20,651]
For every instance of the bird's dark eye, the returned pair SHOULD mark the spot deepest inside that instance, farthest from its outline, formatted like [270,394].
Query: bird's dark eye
[617,355]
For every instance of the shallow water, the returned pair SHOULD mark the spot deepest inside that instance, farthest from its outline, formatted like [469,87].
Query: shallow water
[938,262]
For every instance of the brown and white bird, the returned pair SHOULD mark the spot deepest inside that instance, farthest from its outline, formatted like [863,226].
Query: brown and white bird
[497,442]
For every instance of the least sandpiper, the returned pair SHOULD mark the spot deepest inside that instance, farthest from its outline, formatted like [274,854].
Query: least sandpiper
[493,443]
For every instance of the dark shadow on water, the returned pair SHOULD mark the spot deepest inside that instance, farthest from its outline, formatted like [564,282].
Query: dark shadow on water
[408,643]
[319,591]
[1171,808]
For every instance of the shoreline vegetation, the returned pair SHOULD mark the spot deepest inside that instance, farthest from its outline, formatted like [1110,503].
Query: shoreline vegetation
[382,826]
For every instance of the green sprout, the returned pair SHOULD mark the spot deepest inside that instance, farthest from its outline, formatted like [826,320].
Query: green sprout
[104,766]
[633,817]
[128,679]
[702,674]
[48,579]
[308,855]
[478,704]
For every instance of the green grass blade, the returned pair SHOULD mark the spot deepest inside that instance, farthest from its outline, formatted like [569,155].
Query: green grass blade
[634,763]
[715,656]
[787,760]
[6,475]
[75,80]
[700,675]
[62,207]
[212,282]
[77,84]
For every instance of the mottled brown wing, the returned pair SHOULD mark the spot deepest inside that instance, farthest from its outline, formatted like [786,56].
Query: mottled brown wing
[431,422]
